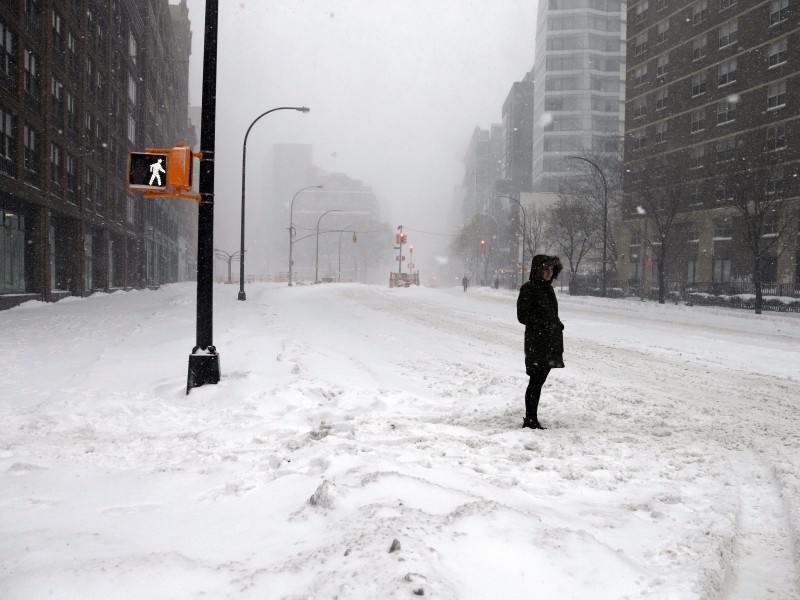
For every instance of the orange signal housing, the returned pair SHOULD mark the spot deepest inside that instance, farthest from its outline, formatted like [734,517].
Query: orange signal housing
[179,168]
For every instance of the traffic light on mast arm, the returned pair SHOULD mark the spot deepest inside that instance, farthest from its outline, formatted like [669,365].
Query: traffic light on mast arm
[401,238]
[483,244]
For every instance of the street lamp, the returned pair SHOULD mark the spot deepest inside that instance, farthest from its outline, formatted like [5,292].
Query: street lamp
[227,257]
[605,217]
[291,224]
[303,109]
[340,250]
[524,234]
[316,262]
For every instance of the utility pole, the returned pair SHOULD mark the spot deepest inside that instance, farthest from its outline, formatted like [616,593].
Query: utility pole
[204,359]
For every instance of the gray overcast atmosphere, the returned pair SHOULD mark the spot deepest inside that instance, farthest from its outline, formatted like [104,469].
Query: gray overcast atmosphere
[395,88]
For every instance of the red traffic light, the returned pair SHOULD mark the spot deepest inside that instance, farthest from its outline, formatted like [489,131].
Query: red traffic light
[483,243]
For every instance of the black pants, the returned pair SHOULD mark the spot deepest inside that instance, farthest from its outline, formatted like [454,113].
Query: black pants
[538,377]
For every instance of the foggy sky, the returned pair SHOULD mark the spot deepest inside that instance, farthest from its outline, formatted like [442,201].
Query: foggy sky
[395,88]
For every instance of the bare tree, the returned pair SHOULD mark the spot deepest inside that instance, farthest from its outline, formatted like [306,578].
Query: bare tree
[661,200]
[573,231]
[763,192]
[597,180]
[536,236]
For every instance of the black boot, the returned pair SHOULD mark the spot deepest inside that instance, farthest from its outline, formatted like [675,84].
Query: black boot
[532,423]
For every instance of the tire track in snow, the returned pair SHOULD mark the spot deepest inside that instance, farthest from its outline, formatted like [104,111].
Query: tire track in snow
[763,546]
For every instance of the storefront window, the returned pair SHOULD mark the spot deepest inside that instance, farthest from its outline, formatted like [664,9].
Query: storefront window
[12,259]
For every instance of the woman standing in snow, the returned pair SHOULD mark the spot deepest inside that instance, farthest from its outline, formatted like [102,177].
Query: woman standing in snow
[537,309]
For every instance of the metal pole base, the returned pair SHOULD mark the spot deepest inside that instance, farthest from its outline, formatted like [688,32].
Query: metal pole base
[242,295]
[203,368]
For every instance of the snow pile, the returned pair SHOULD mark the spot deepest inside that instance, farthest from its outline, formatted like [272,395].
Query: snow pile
[364,442]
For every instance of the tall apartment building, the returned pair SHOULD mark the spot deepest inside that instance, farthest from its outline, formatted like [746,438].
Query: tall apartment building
[579,91]
[518,136]
[82,83]
[483,167]
[713,104]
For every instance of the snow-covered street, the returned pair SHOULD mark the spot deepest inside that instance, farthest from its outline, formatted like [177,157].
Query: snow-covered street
[350,416]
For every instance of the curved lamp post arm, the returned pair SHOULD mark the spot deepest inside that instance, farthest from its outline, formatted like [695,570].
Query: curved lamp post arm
[316,261]
[605,216]
[303,109]
[524,233]
[291,224]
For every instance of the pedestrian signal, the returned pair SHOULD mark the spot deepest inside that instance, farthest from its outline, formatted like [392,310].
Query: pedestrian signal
[161,171]
[147,171]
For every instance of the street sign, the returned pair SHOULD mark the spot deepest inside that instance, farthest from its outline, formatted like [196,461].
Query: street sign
[147,171]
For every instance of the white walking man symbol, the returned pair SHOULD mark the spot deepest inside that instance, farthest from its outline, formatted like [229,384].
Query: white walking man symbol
[155,169]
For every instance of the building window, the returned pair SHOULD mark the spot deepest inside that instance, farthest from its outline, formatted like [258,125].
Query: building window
[72,52]
[697,157]
[721,270]
[723,229]
[641,12]
[778,52]
[662,31]
[725,150]
[31,162]
[72,113]
[89,184]
[724,4]
[776,138]
[699,47]
[774,184]
[726,73]
[132,89]
[698,120]
[133,48]
[72,179]
[721,192]
[58,36]
[57,93]
[640,47]
[778,11]
[131,129]
[662,99]
[88,263]
[33,15]
[639,140]
[726,112]
[7,143]
[12,259]
[661,5]
[662,66]
[639,107]
[776,95]
[694,196]
[698,84]
[640,76]
[691,274]
[56,169]
[8,62]
[661,133]
[699,12]
[728,33]
[31,80]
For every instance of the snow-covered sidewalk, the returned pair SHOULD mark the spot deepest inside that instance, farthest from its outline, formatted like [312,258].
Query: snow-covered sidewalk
[364,442]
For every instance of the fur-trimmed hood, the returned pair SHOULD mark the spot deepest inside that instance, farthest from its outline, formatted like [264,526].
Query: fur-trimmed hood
[541,260]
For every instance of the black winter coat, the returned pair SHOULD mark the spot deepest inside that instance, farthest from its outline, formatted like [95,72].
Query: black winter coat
[537,309]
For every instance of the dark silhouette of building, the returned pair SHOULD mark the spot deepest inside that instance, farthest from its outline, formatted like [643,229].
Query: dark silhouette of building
[82,83]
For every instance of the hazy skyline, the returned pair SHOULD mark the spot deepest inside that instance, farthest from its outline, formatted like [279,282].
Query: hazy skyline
[395,89]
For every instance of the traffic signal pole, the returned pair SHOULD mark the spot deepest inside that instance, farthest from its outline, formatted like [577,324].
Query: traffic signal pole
[204,360]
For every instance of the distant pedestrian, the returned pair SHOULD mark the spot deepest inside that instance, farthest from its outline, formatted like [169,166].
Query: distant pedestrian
[465,283]
[537,309]
[497,283]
